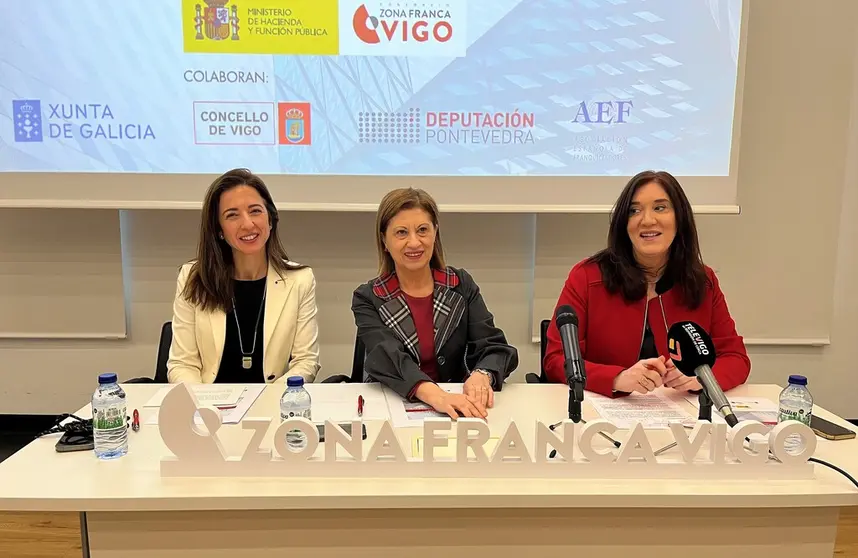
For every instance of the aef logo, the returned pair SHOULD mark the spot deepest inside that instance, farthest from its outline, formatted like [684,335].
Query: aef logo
[396,24]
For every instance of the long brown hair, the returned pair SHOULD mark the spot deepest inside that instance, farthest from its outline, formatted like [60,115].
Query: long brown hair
[394,202]
[620,270]
[210,283]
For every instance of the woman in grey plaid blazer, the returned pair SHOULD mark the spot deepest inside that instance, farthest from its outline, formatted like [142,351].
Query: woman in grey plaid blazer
[425,323]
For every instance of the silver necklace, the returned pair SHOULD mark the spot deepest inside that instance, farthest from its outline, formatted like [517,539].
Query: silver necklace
[247,358]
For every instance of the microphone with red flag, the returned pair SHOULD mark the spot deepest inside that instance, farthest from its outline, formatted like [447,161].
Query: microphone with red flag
[693,353]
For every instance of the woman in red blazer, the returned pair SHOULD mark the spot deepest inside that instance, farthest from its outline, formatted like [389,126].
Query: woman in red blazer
[627,296]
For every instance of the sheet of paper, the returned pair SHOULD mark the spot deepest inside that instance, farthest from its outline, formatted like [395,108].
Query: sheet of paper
[653,410]
[407,414]
[338,402]
[207,394]
[746,408]
[231,415]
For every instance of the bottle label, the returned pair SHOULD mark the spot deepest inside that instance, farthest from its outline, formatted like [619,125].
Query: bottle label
[109,418]
[788,414]
[292,414]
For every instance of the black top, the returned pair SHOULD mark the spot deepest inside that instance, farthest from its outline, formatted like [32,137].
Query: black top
[648,349]
[249,307]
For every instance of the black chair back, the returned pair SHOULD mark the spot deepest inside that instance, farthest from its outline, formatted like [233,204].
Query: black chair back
[163,353]
[358,362]
[543,345]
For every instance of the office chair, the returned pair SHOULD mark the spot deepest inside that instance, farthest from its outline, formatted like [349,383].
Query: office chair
[357,375]
[161,360]
[163,353]
[530,377]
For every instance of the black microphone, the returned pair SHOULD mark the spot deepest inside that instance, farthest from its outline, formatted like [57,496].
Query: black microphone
[693,353]
[573,364]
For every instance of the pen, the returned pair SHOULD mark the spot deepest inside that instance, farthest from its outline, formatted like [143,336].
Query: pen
[360,405]
[135,421]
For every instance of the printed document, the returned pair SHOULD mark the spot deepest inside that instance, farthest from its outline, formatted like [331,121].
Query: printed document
[229,415]
[207,394]
[653,410]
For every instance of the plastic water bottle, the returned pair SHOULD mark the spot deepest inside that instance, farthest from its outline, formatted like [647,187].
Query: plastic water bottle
[795,403]
[109,427]
[295,402]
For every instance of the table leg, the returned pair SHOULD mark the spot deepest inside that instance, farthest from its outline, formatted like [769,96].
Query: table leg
[84,536]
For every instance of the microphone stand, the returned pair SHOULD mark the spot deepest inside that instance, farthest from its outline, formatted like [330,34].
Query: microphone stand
[705,405]
[576,397]
[576,379]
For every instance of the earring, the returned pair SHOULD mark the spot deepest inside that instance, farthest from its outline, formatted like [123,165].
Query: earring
[220,235]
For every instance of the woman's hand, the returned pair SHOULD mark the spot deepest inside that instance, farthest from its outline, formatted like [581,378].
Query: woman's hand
[479,387]
[643,377]
[677,380]
[453,404]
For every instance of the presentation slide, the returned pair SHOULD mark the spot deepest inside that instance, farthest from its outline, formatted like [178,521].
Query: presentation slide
[364,87]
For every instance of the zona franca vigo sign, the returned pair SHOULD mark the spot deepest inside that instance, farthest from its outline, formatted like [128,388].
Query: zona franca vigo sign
[707,449]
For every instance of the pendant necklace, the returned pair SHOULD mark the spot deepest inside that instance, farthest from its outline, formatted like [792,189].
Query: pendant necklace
[247,358]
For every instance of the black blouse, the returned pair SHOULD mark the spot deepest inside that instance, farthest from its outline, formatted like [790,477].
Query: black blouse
[248,320]
[648,349]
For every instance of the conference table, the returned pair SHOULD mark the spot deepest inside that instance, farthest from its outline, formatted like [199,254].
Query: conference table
[129,511]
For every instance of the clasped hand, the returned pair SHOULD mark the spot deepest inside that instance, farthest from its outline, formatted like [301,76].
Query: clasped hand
[651,373]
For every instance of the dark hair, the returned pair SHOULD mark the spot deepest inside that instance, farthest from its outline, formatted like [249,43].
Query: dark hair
[394,202]
[210,282]
[685,270]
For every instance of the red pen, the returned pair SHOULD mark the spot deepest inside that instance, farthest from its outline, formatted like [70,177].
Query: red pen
[360,405]
[135,421]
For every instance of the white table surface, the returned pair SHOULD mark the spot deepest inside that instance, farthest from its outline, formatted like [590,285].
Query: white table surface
[39,478]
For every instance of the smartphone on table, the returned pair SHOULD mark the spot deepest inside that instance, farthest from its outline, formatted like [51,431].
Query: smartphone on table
[828,430]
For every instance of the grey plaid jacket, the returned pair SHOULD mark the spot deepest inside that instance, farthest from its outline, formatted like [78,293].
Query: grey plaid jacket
[465,336]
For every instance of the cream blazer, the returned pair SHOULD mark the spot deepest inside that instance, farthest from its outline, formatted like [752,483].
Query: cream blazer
[290,336]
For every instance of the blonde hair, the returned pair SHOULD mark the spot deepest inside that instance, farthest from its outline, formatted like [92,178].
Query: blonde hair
[394,202]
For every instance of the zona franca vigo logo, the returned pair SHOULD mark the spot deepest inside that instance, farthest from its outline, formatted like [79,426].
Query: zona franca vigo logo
[420,25]
[383,28]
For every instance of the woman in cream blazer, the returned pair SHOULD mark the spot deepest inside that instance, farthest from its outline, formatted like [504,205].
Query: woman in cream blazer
[243,312]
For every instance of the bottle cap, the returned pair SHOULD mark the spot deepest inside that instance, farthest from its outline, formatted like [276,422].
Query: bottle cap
[798,380]
[295,381]
[107,378]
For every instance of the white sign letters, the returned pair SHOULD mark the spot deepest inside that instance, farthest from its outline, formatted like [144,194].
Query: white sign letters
[580,451]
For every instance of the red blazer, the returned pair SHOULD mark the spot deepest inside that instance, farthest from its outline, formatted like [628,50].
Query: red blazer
[610,330]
